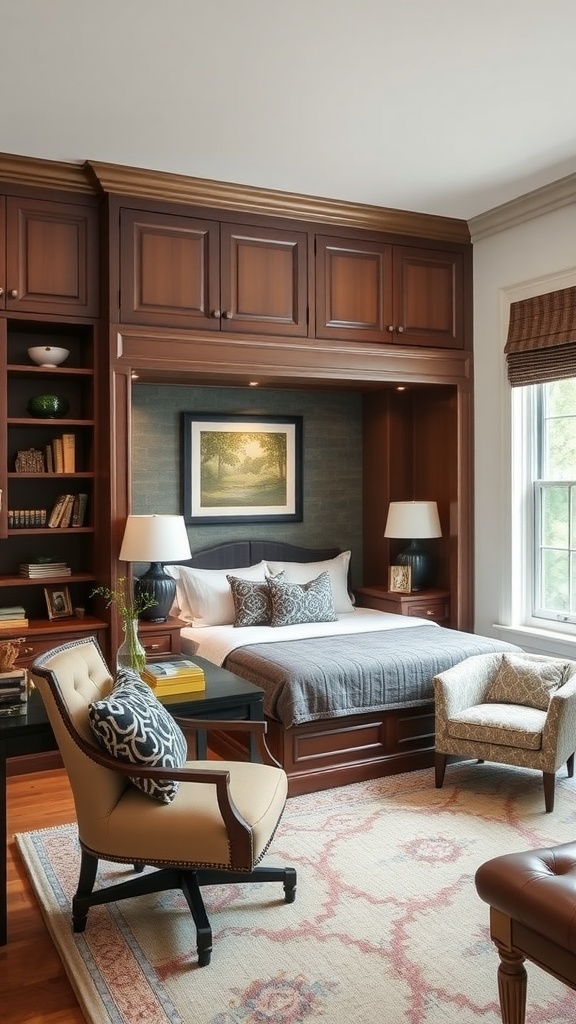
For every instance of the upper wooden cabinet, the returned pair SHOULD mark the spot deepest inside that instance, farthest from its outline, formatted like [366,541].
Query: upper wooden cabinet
[48,257]
[393,294]
[187,272]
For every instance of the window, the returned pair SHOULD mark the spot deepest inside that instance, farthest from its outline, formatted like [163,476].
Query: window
[550,506]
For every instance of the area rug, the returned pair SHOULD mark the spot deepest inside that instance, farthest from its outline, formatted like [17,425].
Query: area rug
[387,927]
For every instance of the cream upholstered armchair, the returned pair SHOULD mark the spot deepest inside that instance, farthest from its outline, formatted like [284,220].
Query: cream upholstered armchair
[517,709]
[195,822]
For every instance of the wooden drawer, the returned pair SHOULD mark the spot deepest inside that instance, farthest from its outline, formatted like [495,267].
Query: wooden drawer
[159,643]
[438,611]
[35,645]
[160,638]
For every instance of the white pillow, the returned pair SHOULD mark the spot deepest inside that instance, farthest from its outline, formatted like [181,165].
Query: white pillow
[206,593]
[337,569]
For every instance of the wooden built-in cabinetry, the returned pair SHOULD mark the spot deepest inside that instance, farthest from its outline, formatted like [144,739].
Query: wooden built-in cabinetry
[48,257]
[391,294]
[218,284]
[183,271]
[432,604]
[51,274]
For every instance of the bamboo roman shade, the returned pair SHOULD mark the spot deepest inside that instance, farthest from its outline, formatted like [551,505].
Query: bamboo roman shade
[541,344]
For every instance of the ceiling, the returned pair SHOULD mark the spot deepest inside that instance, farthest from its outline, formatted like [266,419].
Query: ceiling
[450,107]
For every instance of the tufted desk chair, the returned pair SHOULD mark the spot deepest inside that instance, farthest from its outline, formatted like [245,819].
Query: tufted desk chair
[517,709]
[532,899]
[216,827]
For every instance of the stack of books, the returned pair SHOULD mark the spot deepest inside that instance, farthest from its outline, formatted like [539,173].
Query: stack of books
[13,692]
[13,617]
[39,570]
[69,510]
[177,675]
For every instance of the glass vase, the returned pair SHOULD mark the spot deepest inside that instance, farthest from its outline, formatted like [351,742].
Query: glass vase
[131,654]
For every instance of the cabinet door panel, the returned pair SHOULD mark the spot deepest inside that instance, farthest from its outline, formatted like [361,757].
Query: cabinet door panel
[51,257]
[264,280]
[428,298]
[168,270]
[353,289]
[2,253]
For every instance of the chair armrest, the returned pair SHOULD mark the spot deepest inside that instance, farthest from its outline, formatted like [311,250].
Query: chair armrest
[464,684]
[559,732]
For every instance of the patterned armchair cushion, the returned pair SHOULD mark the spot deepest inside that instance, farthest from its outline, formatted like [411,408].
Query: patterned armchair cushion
[252,601]
[133,726]
[500,724]
[302,602]
[523,681]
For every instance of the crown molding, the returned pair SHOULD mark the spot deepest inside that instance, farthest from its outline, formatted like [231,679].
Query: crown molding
[37,173]
[165,186]
[533,204]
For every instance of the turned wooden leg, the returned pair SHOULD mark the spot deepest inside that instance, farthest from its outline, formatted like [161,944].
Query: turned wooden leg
[512,982]
[549,783]
[570,766]
[440,761]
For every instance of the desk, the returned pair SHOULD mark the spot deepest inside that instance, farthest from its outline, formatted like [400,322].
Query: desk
[226,696]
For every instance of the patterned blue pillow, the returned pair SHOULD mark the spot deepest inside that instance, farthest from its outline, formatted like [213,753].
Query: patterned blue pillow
[133,726]
[302,602]
[252,600]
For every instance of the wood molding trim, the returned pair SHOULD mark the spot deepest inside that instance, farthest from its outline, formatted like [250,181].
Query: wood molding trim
[533,204]
[204,357]
[164,186]
[36,173]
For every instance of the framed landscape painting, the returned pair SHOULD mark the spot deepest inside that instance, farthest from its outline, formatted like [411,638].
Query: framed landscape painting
[242,469]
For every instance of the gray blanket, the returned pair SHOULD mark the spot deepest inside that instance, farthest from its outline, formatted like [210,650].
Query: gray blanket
[328,677]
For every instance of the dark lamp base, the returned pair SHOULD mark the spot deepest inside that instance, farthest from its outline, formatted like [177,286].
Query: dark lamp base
[159,585]
[420,563]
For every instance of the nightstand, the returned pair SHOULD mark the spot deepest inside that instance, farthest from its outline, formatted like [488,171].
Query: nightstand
[432,603]
[160,637]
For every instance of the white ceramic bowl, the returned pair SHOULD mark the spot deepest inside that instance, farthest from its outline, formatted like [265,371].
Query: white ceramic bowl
[48,355]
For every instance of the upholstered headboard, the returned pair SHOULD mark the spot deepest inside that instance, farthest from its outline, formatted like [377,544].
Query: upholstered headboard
[236,553]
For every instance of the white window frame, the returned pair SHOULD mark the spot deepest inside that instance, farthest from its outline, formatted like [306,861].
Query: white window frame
[517,623]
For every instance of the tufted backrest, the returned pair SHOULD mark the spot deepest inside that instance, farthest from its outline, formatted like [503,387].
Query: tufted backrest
[69,678]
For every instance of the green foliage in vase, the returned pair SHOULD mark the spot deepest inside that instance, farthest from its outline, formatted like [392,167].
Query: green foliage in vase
[128,605]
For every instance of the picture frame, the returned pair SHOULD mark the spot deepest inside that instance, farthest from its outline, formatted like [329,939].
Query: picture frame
[58,602]
[400,579]
[241,468]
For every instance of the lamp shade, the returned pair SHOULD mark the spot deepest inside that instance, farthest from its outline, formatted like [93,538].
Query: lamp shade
[154,539]
[413,519]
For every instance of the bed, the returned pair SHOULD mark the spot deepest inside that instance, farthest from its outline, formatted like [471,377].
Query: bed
[348,692]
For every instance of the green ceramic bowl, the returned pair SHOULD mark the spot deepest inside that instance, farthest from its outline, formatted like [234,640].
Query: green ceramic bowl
[48,406]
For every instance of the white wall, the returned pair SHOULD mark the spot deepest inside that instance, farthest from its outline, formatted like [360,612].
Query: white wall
[543,246]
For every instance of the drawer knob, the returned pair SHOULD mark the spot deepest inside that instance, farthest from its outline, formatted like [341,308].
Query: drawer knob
[430,611]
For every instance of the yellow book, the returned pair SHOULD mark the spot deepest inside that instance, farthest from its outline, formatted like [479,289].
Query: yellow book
[176,676]
[69,453]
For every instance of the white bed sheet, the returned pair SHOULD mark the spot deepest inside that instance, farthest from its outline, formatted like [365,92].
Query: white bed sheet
[216,642]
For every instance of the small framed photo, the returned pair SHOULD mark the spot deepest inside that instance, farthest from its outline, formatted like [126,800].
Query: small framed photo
[58,602]
[400,579]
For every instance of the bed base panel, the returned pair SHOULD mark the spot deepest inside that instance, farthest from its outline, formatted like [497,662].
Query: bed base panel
[338,751]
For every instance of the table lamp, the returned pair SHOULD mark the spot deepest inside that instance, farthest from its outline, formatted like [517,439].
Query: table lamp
[155,539]
[417,520]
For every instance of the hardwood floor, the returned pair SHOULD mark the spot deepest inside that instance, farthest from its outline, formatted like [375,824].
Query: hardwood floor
[34,988]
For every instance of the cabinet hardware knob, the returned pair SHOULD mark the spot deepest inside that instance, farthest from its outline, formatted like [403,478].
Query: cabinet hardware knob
[28,650]
[400,330]
[13,293]
[1,291]
[430,611]
[216,314]
[228,315]
[390,328]
[151,647]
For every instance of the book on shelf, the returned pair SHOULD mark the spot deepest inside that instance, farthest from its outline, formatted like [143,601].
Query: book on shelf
[49,460]
[177,675]
[66,517]
[12,624]
[79,509]
[69,453]
[58,455]
[59,510]
[12,611]
[33,571]
[13,692]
